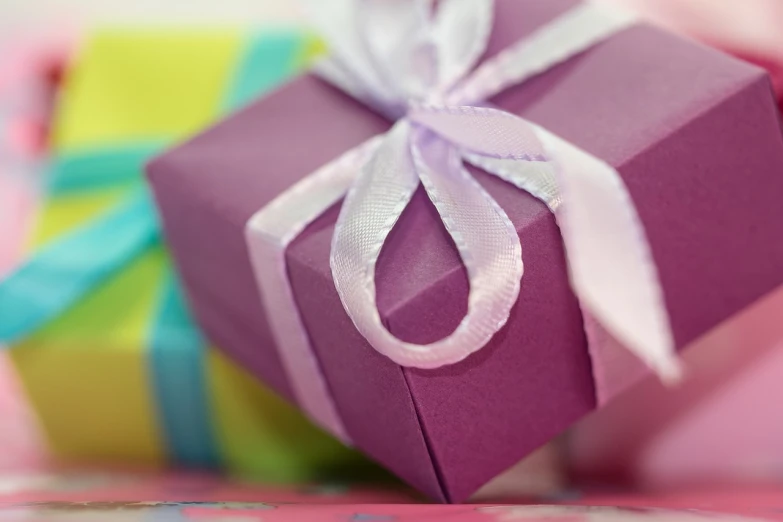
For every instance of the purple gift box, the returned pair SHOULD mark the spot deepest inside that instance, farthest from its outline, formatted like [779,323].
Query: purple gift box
[693,133]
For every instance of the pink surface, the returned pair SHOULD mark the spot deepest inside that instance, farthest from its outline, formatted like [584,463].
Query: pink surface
[760,502]
[129,498]
[723,425]
[130,487]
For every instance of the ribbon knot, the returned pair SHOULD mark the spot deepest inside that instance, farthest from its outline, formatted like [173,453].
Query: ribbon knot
[398,53]
[419,66]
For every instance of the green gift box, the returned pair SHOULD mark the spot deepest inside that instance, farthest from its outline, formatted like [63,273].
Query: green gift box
[102,339]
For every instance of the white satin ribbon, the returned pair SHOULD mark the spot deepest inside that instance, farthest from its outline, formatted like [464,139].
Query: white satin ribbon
[414,64]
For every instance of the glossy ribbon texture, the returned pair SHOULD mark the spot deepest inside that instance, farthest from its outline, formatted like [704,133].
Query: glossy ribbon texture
[418,66]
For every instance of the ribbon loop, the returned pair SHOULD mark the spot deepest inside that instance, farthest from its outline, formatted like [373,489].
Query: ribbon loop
[414,64]
[397,40]
[485,237]
[386,184]
[461,31]
[338,21]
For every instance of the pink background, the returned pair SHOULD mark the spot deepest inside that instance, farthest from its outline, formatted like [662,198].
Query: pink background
[750,29]
[724,424]
[27,85]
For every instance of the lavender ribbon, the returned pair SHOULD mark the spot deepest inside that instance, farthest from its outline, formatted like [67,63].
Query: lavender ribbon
[417,65]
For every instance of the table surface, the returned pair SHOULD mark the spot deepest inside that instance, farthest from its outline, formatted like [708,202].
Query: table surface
[123,497]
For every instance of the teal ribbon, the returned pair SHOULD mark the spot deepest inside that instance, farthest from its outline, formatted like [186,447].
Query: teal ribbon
[87,171]
[67,270]
[178,362]
[64,272]
[268,61]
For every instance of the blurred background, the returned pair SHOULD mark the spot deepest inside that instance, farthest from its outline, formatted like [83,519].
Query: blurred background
[75,76]
[19,17]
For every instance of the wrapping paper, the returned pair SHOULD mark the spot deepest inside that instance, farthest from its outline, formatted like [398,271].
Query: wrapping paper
[666,113]
[89,373]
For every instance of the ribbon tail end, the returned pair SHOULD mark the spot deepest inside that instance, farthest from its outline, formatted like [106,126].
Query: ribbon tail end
[669,369]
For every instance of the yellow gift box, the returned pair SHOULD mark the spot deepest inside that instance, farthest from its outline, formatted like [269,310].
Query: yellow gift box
[121,374]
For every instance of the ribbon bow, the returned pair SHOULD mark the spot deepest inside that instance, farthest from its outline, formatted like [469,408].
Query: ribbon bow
[418,66]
